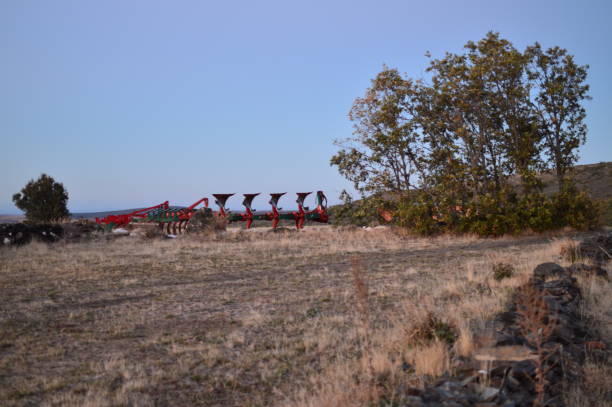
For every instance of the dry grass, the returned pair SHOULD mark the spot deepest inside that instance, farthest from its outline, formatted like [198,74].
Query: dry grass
[595,388]
[246,318]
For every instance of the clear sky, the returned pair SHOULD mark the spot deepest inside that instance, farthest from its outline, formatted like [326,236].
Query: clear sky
[132,102]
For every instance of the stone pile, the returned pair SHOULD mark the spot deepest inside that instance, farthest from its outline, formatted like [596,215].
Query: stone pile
[597,248]
[22,233]
[531,350]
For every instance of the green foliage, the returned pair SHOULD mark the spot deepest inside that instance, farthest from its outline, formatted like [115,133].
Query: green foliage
[502,271]
[490,117]
[561,88]
[506,212]
[358,213]
[43,200]
[416,213]
[313,312]
[432,328]
[385,152]
[576,208]
[444,332]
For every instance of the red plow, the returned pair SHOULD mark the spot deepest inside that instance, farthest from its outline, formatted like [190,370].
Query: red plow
[174,220]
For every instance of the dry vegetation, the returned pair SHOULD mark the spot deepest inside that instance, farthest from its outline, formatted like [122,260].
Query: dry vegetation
[595,388]
[324,317]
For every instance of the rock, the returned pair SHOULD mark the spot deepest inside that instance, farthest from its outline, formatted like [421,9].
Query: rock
[552,303]
[597,248]
[586,270]
[548,270]
[507,317]
[121,231]
[21,233]
[488,393]
[413,401]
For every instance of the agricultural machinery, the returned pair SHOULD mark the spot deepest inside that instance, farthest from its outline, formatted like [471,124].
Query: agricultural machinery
[175,220]
[172,220]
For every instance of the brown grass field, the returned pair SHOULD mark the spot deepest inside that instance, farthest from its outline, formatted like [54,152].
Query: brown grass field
[253,318]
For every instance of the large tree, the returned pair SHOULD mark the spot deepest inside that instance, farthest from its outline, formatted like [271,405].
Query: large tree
[487,114]
[485,120]
[43,200]
[559,90]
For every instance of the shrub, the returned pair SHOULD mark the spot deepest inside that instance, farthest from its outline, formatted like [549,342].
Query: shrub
[363,212]
[432,328]
[417,214]
[502,271]
[576,208]
[204,222]
[536,212]
[43,200]
[496,214]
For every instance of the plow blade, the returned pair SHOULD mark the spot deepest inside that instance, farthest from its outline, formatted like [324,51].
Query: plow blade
[220,201]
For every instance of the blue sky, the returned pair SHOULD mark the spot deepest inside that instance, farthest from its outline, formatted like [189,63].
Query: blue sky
[130,103]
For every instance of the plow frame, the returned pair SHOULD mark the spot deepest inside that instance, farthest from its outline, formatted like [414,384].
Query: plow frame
[171,220]
[175,220]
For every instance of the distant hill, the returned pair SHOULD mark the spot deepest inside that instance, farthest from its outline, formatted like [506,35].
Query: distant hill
[11,218]
[594,178]
[597,180]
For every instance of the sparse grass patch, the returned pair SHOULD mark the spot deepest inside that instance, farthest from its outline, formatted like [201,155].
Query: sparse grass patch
[570,251]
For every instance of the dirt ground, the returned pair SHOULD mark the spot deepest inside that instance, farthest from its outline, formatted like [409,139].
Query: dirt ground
[242,319]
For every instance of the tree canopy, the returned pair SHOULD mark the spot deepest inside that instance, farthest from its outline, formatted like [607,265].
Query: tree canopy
[483,117]
[43,200]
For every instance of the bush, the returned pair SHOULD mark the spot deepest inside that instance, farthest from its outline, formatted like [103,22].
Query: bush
[502,271]
[204,222]
[43,200]
[431,328]
[576,208]
[496,214]
[363,212]
[417,214]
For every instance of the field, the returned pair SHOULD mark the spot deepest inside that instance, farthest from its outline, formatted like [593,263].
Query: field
[251,318]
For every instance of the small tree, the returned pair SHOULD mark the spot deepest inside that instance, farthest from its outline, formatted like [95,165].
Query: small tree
[43,200]
[385,151]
